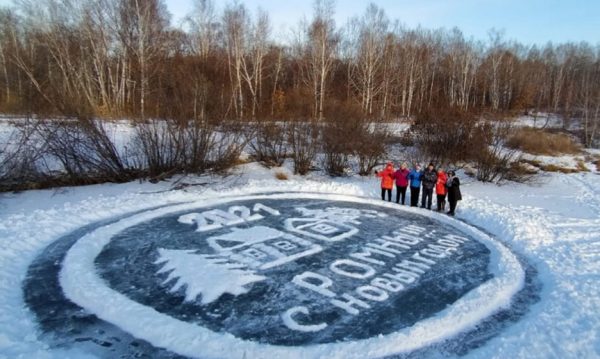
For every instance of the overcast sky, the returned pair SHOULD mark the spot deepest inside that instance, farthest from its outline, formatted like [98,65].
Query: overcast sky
[528,21]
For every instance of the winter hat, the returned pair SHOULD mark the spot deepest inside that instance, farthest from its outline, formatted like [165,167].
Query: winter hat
[451,173]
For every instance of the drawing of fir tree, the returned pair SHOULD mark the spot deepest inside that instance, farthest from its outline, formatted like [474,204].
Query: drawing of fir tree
[208,275]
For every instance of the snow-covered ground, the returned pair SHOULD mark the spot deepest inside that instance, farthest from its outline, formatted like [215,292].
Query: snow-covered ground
[555,225]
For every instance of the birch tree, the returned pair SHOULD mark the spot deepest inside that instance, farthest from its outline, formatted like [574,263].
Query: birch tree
[370,45]
[320,53]
[142,25]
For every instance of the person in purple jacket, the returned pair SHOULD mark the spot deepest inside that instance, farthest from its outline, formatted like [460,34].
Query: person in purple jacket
[401,177]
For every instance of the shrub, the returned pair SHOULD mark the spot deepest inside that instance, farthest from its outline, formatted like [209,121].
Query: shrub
[370,149]
[446,135]
[520,172]
[336,148]
[19,169]
[84,149]
[493,160]
[268,144]
[541,142]
[303,138]
[339,136]
[348,133]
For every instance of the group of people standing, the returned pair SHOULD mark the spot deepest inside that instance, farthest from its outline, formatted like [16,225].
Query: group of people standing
[429,179]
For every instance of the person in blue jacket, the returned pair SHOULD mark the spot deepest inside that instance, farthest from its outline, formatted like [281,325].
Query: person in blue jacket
[414,177]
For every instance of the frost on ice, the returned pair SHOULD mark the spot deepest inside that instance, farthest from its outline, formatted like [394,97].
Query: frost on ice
[208,275]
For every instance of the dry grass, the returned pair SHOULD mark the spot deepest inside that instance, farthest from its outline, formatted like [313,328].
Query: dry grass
[282,176]
[522,172]
[581,166]
[555,168]
[540,142]
[241,161]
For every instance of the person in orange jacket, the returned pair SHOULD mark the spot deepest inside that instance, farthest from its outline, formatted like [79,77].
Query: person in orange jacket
[441,190]
[387,181]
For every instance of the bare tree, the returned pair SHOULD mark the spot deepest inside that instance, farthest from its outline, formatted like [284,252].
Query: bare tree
[319,51]
[204,28]
[367,69]
[141,30]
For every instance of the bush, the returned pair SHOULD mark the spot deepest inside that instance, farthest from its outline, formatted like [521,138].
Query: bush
[541,142]
[268,144]
[520,172]
[19,169]
[348,133]
[446,135]
[406,139]
[84,150]
[226,148]
[303,138]
[336,147]
[159,146]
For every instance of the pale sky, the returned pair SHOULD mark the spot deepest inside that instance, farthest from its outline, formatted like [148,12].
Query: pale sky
[527,21]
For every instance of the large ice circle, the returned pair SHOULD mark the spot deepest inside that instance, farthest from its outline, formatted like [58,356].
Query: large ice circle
[294,275]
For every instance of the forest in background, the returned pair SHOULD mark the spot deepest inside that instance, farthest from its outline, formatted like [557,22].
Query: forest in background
[115,59]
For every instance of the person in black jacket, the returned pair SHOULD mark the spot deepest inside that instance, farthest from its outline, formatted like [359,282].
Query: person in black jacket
[429,180]
[454,194]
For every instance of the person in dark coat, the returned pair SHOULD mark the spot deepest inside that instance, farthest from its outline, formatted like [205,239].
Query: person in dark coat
[401,177]
[414,178]
[454,195]
[429,180]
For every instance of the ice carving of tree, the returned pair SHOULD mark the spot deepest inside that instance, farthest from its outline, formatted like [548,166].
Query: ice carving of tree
[209,275]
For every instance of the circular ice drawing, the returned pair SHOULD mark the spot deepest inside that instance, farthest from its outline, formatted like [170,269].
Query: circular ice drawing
[290,275]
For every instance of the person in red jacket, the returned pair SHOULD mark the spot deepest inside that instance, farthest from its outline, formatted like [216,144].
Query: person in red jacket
[387,181]
[401,177]
[441,190]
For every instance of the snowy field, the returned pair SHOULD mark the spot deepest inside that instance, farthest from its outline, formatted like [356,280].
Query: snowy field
[553,226]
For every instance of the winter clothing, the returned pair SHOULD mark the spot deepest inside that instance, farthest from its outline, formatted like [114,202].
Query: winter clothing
[426,197]
[441,190]
[415,178]
[389,194]
[387,177]
[401,177]
[429,178]
[441,202]
[454,195]
[400,191]
[440,186]
[414,196]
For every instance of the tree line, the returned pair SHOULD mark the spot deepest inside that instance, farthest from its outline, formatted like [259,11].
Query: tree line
[90,59]
[122,58]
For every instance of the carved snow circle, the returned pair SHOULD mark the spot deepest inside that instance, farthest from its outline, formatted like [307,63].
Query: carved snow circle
[291,275]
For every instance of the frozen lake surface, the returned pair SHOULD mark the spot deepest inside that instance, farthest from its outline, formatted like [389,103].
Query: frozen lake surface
[276,272]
